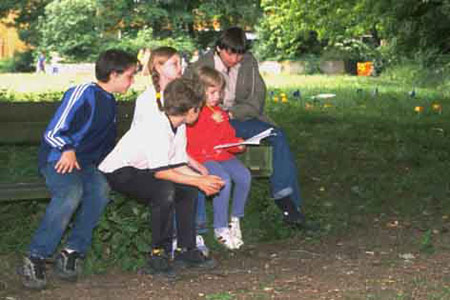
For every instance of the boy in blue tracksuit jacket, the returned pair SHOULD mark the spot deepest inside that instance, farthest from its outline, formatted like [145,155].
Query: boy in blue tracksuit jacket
[79,136]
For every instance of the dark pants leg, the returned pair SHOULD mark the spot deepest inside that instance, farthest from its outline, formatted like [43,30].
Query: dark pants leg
[284,180]
[164,197]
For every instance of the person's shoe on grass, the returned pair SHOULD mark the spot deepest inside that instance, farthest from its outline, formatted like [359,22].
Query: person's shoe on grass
[33,273]
[293,218]
[68,265]
[223,237]
[193,258]
[236,233]
[159,263]
[201,245]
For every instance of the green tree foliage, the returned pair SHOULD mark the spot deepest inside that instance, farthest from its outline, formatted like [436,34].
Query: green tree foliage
[69,27]
[235,12]
[412,26]
[409,26]
[27,12]
[296,28]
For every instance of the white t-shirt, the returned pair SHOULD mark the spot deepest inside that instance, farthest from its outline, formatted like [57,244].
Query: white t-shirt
[146,105]
[151,142]
[230,75]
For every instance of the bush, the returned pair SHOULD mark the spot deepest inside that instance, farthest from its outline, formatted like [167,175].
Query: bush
[425,69]
[20,62]
[144,39]
[349,49]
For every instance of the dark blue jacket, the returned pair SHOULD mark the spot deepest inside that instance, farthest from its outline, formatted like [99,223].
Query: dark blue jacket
[86,122]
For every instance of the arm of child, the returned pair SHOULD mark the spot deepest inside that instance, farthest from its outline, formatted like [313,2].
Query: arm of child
[229,136]
[197,166]
[209,184]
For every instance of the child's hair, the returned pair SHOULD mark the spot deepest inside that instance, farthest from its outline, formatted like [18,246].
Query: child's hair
[181,95]
[210,77]
[158,57]
[233,39]
[113,60]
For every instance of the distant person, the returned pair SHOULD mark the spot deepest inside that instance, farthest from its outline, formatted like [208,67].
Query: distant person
[81,133]
[194,57]
[212,129]
[40,64]
[244,99]
[54,63]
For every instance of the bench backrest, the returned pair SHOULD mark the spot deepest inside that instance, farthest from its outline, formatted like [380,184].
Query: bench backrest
[24,122]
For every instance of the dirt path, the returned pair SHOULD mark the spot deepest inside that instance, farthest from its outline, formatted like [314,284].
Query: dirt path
[379,263]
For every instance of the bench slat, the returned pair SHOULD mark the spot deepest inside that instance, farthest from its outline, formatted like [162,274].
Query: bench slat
[24,123]
[23,191]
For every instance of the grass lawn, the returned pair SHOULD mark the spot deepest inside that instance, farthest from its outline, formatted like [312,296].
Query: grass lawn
[363,155]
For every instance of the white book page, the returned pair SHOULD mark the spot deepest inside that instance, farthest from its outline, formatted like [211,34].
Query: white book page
[254,140]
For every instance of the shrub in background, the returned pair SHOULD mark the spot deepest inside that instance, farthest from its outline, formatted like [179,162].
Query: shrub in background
[20,62]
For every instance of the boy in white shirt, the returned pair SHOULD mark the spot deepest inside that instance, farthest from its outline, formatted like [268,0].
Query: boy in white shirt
[150,164]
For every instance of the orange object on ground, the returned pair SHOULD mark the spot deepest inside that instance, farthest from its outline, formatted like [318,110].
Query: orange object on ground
[364,68]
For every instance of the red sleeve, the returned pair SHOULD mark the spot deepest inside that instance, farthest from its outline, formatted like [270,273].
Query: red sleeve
[195,138]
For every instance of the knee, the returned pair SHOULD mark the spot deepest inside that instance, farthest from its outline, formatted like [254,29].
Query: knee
[279,133]
[227,179]
[65,201]
[102,190]
[70,195]
[246,177]
[167,193]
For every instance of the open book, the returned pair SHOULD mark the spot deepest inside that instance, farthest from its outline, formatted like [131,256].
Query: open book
[254,140]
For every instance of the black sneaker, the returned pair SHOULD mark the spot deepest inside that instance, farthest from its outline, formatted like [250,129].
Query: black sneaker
[33,273]
[291,215]
[193,258]
[158,264]
[68,265]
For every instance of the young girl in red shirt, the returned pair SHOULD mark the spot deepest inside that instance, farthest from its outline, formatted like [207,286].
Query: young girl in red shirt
[211,129]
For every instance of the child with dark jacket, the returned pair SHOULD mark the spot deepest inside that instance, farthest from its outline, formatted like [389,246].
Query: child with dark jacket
[80,134]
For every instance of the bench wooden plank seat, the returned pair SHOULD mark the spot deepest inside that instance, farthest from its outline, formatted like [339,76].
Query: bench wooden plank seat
[23,191]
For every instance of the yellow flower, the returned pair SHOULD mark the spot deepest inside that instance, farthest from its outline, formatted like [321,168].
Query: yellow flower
[418,109]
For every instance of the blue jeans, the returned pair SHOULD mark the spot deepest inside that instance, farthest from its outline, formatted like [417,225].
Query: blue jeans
[231,171]
[86,188]
[284,179]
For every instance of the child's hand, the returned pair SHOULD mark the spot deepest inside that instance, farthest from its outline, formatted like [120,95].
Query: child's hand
[217,116]
[241,147]
[67,162]
[211,184]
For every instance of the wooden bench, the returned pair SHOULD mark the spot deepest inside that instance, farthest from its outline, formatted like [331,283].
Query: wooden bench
[23,124]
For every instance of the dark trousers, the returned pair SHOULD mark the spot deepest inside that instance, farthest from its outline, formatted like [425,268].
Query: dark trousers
[284,179]
[164,198]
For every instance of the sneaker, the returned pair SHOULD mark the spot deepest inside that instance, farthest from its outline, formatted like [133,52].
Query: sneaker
[235,232]
[193,258]
[291,215]
[200,242]
[68,265]
[223,236]
[33,273]
[174,248]
[158,263]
